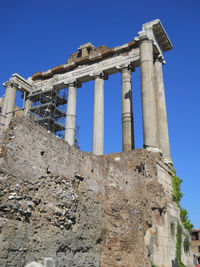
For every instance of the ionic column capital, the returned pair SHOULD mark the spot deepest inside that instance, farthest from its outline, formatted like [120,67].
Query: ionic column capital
[125,66]
[99,74]
[9,83]
[159,58]
[143,37]
[74,83]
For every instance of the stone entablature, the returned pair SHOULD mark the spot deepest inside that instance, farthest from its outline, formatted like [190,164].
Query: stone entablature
[19,83]
[87,55]
[84,73]
[154,30]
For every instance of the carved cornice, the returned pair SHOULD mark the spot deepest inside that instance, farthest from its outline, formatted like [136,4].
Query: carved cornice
[19,83]
[159,33]
[154,31]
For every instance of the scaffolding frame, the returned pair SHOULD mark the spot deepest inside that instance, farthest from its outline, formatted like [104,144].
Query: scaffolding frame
[49,109]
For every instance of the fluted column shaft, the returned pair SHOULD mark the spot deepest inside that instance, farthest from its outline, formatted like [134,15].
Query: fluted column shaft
[98,118]
[127,110]
[8,104]
[149,113]
[71,114]
[163,134]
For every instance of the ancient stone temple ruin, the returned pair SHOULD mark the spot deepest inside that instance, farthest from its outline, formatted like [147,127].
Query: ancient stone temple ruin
[62,207]
[97,63]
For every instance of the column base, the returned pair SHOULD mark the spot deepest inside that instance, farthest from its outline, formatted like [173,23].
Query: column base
[128,147]
[157,150]
[168,161]
[153,149]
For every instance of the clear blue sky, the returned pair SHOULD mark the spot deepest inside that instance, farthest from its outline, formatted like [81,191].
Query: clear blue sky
[37,35]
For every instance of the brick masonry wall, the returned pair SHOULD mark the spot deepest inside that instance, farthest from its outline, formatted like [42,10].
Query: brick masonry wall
[80,209]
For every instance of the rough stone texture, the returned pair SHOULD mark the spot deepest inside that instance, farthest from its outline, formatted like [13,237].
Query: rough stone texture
[79,209]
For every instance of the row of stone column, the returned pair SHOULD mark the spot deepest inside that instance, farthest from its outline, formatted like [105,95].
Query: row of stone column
[155,127]
[98,120]
[154,114]
[98,117]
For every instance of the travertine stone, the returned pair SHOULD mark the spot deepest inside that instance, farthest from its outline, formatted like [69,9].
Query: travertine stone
[161,111]
[127,110]
[8,104]
[149,114]
[71,114]
[98,118]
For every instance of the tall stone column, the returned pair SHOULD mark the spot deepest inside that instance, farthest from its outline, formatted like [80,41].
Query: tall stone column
[127,110]
[149,113]
[8,104]
[98,118]
[163,134]
[27,105]
[71,114]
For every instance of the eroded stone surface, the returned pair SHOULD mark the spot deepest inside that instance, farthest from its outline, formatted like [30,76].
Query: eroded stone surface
[79,209]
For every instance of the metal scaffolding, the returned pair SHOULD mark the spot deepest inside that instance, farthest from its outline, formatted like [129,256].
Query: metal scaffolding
[49,108]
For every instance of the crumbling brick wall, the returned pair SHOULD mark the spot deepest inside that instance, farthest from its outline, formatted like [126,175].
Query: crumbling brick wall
[82,210]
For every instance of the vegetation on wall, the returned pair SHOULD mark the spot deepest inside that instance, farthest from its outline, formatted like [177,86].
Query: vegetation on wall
[178,245]
[177,195]
[186,244]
